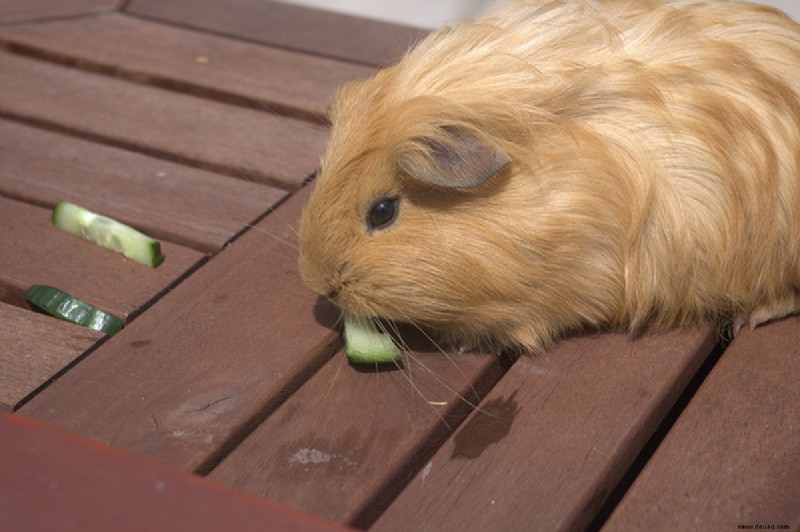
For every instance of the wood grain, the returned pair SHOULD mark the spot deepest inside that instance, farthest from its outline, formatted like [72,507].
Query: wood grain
[171,202]
[282,81]
[33,348]
[57,481]
[33,252]
[733,457]
[553,438]
[349,439]
[191,130]
[21,10]
[208,360]
[298,28]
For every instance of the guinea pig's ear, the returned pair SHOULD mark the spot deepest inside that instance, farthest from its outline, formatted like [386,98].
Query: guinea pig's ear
[451,159]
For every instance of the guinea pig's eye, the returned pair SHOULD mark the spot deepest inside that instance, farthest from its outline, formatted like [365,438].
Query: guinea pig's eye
[382,213]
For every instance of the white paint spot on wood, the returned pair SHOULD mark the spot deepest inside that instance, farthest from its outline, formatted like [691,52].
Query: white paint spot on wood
[310,456]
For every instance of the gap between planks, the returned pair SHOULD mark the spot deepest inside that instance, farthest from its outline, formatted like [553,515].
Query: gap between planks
[67,13]
[246,39]
[377,429]
[626,482]
[171,84]
[254,76]
[580,426]
[312,31]
[322,354]
[99,343]
[325,351]
[173,203]
[150,151]
[238,142]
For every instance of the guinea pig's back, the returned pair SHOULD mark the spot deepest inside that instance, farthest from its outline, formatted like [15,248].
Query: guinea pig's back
[699,104]
[722,230]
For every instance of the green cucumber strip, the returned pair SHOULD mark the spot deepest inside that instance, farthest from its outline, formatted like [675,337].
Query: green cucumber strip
[69,308]
[365,344]
[108,233]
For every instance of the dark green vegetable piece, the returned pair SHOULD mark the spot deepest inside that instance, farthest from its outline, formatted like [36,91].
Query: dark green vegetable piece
[69,308]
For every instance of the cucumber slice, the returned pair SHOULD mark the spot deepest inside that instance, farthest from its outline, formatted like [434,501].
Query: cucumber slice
[69,308]
[108,233]
[365,344]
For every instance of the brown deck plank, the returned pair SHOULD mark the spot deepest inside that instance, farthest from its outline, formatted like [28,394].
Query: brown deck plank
[184,205]
[300,28]
[33,348]
[554,437]
[348,439]
[287,82]
[57,481]
[20,10]
[224,347]
[733,456]
[33,252]
[213,135]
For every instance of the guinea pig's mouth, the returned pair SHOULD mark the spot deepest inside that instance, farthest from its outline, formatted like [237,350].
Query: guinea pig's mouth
[352,293]
[351,303]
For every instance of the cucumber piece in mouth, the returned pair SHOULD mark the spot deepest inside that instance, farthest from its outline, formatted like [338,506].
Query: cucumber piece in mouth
[69,308]
[108,233]
[365,344]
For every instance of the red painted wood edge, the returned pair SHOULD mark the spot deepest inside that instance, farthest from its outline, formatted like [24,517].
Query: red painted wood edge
[54,480]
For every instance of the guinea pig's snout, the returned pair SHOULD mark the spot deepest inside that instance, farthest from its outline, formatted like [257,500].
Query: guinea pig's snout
[311,275]
[326,288]
[334,285]
[318,279]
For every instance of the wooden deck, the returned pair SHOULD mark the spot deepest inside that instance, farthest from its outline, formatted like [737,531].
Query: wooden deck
[226,403]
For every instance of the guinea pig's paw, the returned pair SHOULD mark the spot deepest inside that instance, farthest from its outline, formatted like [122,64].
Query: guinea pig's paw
[774,311]
[528,339]
[738,324]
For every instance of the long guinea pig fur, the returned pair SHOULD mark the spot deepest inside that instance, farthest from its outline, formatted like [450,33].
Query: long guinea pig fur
[558,166]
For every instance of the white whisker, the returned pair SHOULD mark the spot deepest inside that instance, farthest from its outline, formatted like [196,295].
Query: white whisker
[276,236]
[408,353]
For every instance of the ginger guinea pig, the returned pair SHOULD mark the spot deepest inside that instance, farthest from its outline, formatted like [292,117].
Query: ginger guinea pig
[566,165]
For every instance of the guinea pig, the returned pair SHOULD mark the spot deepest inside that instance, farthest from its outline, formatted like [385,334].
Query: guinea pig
[563,166]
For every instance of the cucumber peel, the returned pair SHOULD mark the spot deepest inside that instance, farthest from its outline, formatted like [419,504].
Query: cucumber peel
[108,233]
[365,344]
[69,308]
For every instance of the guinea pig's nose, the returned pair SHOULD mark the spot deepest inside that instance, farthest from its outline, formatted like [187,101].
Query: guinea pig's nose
[332,295]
